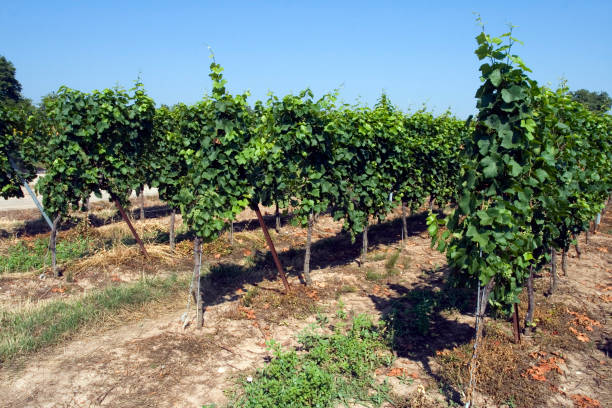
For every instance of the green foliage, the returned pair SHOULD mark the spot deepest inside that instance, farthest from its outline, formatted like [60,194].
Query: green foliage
[23,257]
[298,164]
[93,142]
[576,158]
[487,236]
[432,154]
[595,102]
[214,133]
[334,368]
[412,313]
[268,173]
[16,149]
[340,312]
[366,161]
[390,264]
[537,171]
[165,163]
[10,88]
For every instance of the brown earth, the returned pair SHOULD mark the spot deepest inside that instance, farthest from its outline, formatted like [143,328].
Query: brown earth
[151,360]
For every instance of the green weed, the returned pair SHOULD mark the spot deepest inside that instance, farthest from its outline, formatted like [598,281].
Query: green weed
[347,289]
[390,264]
[341,313]
[373,276]
[322,320]
[378,256]
[334,368]
[247,299]
[23,257]
[412,313]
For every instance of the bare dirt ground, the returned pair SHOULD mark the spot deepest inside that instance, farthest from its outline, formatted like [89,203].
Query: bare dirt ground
[151,360]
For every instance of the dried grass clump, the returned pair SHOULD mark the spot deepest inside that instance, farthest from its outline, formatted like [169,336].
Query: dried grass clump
[418,399]
[560,327]
[273,305]
[184,248]
[254,237]
[499,373]
[127,257]
[120,230]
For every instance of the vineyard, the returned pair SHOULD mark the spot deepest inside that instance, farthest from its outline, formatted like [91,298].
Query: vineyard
[303,252]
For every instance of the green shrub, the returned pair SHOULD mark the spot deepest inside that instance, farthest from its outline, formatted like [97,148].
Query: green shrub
[333,368]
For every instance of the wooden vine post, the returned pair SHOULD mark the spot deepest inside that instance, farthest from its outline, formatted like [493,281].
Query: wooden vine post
[404,223]
[264,228]
[277,218]
[196,283]
[171,230]
[52,244]
[142,205]
[308,248]
[130,226]
[515,324]
[364,243]
[554,277]
[530,304]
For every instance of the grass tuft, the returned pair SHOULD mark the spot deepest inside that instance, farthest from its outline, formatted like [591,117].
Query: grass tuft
[373,276]
[390,264]
[27,256]
[26,331]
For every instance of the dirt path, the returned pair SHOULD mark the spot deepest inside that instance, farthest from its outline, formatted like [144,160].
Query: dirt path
[154,362]
[157,363]
[149,363]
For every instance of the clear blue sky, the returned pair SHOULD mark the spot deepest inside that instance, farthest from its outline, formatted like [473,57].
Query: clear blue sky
[418,52]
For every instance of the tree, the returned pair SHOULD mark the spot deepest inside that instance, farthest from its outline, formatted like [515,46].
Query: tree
[94,143]
[300,160]
[10,88]
[15,150]
[488,241]
[216,187]
[596,102]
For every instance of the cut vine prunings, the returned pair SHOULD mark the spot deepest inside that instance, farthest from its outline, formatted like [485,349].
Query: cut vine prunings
[539,371]
[584,321]
[248,312]
[401,372]
[579,335]
[582,401]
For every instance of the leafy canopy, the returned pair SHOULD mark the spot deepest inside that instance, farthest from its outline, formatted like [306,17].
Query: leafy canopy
[94,143]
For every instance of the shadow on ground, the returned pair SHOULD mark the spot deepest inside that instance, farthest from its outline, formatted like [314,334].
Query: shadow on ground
[39,225]
[418,318]
[226,278]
